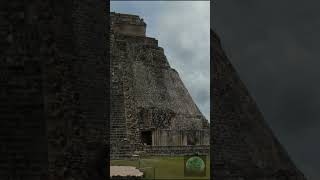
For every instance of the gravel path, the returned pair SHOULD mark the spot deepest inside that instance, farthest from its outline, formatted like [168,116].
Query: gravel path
[124,171]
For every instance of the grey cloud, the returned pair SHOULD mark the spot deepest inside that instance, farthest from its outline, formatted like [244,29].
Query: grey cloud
[274,46]
[188,47]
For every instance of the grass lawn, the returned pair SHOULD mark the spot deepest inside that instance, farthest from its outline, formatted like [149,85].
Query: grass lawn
[165,167]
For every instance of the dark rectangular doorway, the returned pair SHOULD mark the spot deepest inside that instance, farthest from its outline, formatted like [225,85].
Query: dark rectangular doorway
[146,137]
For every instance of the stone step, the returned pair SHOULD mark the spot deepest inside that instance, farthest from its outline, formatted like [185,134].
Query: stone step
[118,123]
[115,132]
[118,126]
[122,128]
[117,137]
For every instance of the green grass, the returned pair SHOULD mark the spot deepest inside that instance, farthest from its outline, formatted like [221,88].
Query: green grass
[165,167]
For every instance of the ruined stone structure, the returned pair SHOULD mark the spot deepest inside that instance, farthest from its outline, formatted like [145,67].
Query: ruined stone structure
[53,81]
[54,99]
[244,147]
[151,111]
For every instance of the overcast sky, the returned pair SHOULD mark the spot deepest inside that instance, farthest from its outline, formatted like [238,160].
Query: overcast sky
[274,46]
[183,30]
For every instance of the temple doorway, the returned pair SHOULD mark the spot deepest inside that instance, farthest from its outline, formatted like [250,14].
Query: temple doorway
[146,137]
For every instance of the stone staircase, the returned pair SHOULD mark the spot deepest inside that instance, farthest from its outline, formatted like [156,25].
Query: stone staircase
[121,151]
[119,146]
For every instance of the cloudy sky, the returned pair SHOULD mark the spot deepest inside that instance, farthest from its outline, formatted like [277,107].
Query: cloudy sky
[274,46]
[183,30]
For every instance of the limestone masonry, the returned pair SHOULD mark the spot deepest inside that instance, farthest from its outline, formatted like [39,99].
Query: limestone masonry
[53,82]
[151,112]
[54,99]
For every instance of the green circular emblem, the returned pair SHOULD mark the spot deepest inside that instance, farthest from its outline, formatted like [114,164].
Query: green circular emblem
[195,165]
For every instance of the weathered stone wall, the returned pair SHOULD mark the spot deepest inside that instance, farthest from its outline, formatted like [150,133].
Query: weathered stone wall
[118,124]
[164,137]
[154,96]
[128,24]
[243,145]
[75,82]
[157,87]
[176,150]
[53,89]
[24,44]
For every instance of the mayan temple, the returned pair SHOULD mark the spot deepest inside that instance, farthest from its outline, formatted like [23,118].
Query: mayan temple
[55,102]
[151,112]
[244,147]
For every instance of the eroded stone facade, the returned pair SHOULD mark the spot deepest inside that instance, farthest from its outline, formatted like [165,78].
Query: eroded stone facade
[53,86]
[150,104]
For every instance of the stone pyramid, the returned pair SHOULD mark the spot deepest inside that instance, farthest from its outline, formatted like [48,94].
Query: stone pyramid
[244,147]
[151,110]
